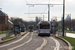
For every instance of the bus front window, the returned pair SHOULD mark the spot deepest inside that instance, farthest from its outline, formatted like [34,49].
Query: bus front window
[30,27]
[44,26]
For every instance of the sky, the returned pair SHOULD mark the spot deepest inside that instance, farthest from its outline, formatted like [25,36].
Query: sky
[18,8]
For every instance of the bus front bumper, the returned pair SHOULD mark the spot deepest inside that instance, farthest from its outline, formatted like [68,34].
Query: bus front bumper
[43,33]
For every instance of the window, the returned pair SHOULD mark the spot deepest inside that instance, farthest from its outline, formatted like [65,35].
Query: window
[44,26]
[30,27]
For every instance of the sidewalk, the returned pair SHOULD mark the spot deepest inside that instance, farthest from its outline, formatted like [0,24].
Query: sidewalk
[13,35]
[0,40]
[66,34]
[2,35]
[70,35]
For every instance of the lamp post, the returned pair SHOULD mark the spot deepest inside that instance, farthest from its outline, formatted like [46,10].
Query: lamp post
[63,15]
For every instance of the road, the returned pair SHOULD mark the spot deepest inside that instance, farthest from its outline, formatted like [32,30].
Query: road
[31,41]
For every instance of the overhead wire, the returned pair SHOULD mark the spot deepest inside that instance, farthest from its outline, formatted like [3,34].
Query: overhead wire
[43,11]
[28,8]
[49,1]
[36,3]
[40,1]
[26,2]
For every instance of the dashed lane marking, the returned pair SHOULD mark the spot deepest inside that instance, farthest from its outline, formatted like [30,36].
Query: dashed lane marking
[43,44]
[57,44]
[22,44]
[14,41]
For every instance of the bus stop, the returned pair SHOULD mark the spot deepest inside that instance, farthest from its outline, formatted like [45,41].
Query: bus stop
[16,29]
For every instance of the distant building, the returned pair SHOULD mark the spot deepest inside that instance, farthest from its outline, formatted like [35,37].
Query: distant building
[68,18]
[36,19]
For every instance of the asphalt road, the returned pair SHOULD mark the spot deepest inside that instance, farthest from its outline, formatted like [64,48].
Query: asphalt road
[31,41]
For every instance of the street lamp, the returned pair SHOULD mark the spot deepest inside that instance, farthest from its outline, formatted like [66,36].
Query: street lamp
[63,15]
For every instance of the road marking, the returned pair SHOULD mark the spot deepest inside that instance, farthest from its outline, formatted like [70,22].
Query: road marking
[14,41]
[43,44]
[57,44]
[22,44]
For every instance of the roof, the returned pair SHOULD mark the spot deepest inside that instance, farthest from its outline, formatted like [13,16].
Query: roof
[43,22]
[3,13]
[10,21]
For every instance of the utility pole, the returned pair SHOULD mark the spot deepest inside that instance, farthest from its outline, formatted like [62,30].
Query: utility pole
[63,15]
[48,7]
[48,12]
[43,17]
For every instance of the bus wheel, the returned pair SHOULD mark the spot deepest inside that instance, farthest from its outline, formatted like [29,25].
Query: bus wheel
[48,35]
[38,35]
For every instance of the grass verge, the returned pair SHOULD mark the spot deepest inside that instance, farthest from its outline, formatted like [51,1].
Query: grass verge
[6,38]
[71,40]
[4,32]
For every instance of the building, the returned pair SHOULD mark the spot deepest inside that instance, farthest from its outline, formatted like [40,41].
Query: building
[10,24]
[3,21]
[3,17]
[68,18]
[36,20]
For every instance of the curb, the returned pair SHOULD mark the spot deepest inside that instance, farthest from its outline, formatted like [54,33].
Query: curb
[24,34]
[70,47]
[12,38]
[8,40]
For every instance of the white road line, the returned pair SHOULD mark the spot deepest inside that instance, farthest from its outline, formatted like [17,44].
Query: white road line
[43,44]
[14,41]
[57,44]
[22,44]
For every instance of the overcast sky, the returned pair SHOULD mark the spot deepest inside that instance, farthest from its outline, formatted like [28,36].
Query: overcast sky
[17,8]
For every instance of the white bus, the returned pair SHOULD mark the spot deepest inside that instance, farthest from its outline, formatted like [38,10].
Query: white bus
[43,28]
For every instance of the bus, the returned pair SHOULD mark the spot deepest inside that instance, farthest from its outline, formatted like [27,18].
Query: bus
[30,28]
[23,29]
[43,28]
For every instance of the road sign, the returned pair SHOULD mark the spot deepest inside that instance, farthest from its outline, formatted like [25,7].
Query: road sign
[53,22]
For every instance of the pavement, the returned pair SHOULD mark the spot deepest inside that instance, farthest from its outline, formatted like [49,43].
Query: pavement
[72,35]
[2,35]
[13,35]
[31,41]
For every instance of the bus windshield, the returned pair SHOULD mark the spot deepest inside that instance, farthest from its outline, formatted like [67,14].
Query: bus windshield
[44,26]
[30,27]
